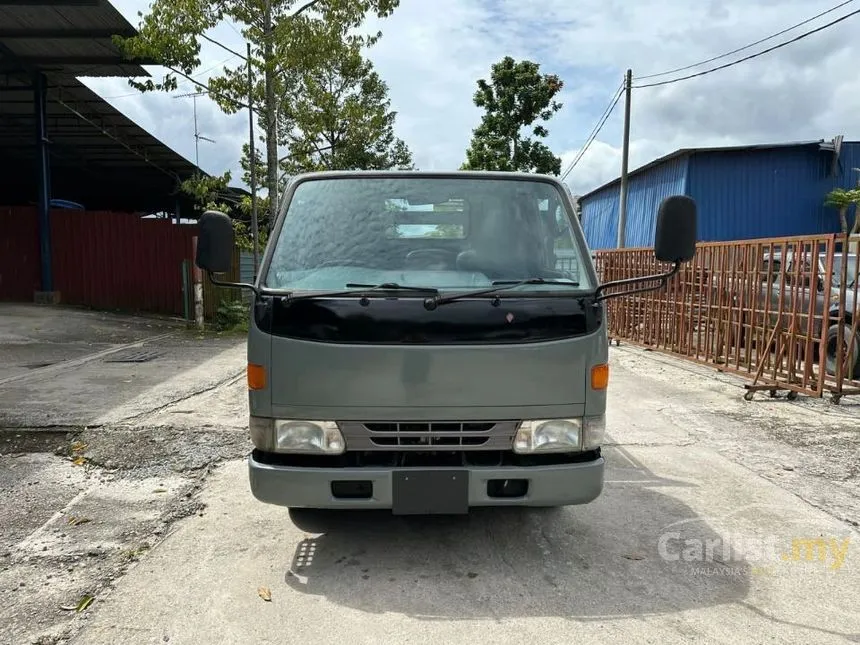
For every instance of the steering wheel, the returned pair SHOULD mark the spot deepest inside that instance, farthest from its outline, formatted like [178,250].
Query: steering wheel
[431,254]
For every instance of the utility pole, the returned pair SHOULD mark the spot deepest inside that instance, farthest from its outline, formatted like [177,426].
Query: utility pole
[254,221]
[625,156]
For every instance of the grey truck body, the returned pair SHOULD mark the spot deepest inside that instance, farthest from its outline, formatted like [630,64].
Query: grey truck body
[428,342]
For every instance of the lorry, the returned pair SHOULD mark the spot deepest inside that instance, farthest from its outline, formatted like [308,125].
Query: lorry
[429,342]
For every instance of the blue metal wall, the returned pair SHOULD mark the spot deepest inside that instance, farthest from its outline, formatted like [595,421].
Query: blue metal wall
[767,193]
[644,193]
[741,194]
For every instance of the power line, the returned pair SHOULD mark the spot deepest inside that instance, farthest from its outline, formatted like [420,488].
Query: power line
[597,128]
[197,75]
[751,56]
[745,47]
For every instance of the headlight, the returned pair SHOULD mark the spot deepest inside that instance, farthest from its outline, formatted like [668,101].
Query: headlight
[593,432]
[313,437]
[296,436]
[548,435]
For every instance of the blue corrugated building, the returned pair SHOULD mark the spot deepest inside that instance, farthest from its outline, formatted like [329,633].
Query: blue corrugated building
[742,192]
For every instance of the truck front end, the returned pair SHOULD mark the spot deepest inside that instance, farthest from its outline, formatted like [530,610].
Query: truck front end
[425,343]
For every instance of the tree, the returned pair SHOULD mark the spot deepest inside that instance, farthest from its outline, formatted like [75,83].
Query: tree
[342,118]
[286,37]
[842,199]
[516,97]
[212,193]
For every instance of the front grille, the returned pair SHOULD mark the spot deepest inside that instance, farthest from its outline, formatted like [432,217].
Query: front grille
[442,435]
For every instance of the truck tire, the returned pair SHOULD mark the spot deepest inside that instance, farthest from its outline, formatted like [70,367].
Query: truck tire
[311,520]
[852,360]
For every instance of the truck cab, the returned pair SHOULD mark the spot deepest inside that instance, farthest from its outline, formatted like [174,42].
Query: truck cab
[429,342]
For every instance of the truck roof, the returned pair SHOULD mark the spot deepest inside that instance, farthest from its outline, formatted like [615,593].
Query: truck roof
[476,174]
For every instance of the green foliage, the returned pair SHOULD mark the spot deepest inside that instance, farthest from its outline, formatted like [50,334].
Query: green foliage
[289,39]
[342,118]
[842,199]
[232,315]
[244,237]
[516,97]
[208,192]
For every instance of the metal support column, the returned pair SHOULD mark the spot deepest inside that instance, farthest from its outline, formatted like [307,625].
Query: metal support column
[44,169]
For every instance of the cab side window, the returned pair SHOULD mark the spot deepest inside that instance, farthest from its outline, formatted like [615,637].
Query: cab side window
[770,271]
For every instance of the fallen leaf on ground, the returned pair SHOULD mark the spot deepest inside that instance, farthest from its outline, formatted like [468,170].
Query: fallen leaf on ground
[633,556]
[75,521]
[160,490]
[85,602]
[79,461]
[78,446]
[265,593]
[82,604]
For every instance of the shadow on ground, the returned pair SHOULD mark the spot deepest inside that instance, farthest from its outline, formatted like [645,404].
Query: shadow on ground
[590,562]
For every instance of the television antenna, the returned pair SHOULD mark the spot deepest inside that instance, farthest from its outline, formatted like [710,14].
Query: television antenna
[197,136]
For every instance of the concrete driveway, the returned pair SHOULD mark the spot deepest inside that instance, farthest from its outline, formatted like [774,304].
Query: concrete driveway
[722,522]
[64,368]
[98,453]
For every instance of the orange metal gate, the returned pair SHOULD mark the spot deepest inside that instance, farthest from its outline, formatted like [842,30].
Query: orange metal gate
[781,311]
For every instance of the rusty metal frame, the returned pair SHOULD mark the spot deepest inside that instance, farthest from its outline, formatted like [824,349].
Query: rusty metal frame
[728,309]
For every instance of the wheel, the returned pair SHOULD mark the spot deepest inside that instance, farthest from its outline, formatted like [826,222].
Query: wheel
[311,520]
[749,396]
[428,258]
[851,360]
[772,393]
[792,395]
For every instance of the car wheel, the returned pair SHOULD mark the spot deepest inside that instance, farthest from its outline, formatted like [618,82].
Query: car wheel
[851,360]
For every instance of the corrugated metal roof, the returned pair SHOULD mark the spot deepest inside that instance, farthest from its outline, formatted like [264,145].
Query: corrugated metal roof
[767,194]
[69,39]
[687,151]
[99,157]
[742,192]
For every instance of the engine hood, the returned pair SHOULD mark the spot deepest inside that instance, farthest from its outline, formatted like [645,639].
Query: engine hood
[407,362]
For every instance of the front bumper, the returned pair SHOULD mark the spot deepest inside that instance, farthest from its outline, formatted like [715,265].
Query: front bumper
[301,487]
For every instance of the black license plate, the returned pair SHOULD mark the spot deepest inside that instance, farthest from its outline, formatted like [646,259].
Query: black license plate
[430,492]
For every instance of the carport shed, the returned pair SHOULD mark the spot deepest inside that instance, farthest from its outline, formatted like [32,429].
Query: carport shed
[60,143]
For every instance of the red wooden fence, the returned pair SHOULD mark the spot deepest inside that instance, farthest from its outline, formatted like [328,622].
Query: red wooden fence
[103,260]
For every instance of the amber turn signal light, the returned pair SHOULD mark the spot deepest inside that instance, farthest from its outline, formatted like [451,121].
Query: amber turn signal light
[599,377]
[256,377]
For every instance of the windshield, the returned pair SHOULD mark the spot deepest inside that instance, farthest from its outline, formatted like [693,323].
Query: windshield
[851,263]
[447,233]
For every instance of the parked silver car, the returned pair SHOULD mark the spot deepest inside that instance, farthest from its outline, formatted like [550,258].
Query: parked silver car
[782,289]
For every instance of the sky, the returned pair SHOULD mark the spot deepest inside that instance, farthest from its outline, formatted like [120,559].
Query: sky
[433,51]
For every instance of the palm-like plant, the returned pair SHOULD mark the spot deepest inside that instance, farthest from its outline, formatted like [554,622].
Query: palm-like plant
[841,199]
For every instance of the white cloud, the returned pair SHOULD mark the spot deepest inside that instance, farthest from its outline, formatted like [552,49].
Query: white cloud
[432,52]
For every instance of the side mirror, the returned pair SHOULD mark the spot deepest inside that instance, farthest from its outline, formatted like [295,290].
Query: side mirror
[215,243]
[675,235]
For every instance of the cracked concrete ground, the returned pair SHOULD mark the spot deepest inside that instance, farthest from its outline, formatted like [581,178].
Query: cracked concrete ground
[176,549]
[98,458]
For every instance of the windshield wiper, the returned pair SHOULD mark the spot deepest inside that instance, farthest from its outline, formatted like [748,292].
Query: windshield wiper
[498,285]
[363,290]
[391,286]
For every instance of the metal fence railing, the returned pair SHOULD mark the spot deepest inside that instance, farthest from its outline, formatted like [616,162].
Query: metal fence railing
[783,311]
